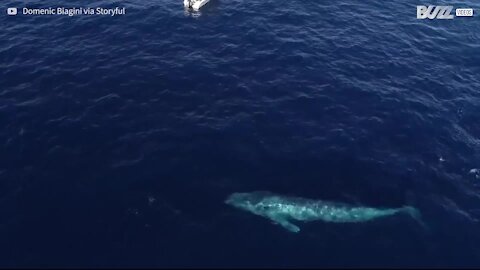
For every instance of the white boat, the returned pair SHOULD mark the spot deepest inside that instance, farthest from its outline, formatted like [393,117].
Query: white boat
[194,4]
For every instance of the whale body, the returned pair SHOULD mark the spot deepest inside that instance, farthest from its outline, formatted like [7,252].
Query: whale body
[283,209]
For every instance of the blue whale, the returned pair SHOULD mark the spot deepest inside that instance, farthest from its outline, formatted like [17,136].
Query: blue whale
[282,210]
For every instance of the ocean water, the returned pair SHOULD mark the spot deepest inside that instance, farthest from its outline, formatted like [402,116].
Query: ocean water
[121,137]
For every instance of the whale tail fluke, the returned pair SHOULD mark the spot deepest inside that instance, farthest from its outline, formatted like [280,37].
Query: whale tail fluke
[415,214]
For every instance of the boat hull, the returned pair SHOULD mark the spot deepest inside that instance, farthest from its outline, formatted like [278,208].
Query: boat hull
[197,4]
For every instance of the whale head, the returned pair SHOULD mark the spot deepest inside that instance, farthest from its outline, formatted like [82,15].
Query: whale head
[263,203]
[247,201]
[241,200]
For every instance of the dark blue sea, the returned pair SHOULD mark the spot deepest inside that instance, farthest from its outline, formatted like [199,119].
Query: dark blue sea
[121,137]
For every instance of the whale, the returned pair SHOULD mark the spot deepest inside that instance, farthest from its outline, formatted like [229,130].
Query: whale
[284,210]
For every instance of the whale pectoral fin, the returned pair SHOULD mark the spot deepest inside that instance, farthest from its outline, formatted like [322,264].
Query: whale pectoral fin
[290,226]
[286,224]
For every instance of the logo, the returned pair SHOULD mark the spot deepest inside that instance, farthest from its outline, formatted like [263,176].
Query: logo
[435,12]
[464,12]
[12,11]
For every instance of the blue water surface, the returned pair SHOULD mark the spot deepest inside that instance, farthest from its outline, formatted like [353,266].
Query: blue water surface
[121,137]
